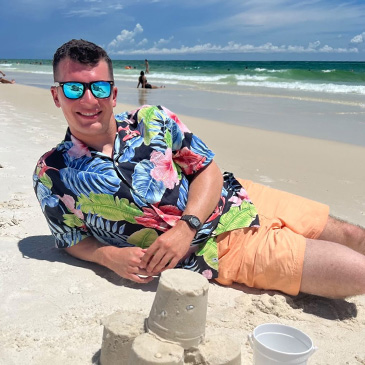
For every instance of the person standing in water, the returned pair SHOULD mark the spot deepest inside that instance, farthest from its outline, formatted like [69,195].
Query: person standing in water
[147,66]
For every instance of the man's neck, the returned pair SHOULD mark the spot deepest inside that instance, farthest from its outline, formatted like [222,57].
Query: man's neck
[103,143]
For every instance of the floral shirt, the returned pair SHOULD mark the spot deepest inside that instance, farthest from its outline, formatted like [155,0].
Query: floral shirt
[132,198]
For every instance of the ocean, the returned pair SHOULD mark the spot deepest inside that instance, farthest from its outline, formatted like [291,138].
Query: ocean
[327,97]
[323,77]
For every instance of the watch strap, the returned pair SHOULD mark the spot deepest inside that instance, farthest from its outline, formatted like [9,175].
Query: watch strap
[193,221]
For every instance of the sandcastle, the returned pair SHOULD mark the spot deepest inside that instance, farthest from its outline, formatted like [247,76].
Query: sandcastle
[173,333]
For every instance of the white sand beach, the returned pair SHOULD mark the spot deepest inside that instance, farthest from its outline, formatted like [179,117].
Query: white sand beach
[52,304]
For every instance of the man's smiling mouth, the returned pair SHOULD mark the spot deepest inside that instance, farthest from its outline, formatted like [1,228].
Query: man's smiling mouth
[89,114]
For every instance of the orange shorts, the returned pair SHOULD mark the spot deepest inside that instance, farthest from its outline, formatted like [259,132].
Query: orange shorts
[272,256]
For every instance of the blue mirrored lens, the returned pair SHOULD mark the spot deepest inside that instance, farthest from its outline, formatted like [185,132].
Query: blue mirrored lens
[101,89]
[73,90]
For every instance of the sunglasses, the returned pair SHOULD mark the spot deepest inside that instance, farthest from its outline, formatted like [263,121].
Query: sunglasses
[76,90]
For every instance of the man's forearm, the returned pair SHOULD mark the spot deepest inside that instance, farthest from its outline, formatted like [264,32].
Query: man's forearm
[89,249]
[205,192]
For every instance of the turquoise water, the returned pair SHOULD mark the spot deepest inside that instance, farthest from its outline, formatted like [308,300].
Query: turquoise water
[327,98]
[324,77]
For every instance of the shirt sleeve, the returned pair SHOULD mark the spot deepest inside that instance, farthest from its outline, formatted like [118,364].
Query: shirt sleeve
[64,220]
[189,151]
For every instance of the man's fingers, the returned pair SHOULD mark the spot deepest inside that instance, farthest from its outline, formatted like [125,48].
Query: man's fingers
[147,257]
[156,259]
[165,262]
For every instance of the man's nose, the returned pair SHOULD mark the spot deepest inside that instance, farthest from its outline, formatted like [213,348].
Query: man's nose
[88,97]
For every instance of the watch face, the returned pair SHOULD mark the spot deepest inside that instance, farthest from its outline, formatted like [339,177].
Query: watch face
[195,222]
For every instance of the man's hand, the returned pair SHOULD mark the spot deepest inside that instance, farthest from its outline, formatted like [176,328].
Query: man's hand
[168,249]
[126,262]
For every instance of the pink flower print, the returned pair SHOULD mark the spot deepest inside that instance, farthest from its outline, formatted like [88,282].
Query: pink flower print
[152,220]
[175,118]
[69,201]
[237,200]
[41,164]
[207,274]
[189,161]
[78,149]
[218,210]
[164,169]
[168,213]
[161,218]
[129,134]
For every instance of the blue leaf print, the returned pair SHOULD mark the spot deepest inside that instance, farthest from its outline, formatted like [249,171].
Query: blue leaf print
[45,197]
[117,144]
[137,200]
[64,146]
[64,235]
[105,232]
[183,193]
[176,134]
[70,238]
[199,147]
[121,116]
[158,142]
[110,238]
[145,186]
[224,192]
[129,149]
[232,181]
[86,175]
[190,263]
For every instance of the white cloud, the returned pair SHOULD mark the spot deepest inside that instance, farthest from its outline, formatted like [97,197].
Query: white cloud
[163,41]
[83,13]
[233,47]
[142,42]
[314,45]
[360,38]
[116,7]
[126,36]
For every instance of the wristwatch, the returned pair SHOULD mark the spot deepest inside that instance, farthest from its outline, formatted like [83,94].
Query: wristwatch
[193,221]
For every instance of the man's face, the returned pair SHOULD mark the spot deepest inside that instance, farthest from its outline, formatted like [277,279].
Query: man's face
[87,117]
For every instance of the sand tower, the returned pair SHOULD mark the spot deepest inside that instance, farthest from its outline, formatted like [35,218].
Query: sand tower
[173,333]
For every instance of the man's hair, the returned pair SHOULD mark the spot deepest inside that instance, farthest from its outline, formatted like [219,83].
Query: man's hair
[85,52]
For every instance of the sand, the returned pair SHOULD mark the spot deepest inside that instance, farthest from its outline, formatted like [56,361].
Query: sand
[52,305]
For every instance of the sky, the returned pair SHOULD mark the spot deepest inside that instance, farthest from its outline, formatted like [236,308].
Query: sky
[188,29]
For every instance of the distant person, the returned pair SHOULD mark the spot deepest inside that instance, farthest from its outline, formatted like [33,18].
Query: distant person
[5,81]
[147,66]
[145,85]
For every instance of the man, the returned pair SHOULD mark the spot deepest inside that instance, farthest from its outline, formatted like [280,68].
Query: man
[138,193]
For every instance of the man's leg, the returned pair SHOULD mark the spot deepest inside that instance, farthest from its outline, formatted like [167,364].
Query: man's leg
[345,233]
[332,270]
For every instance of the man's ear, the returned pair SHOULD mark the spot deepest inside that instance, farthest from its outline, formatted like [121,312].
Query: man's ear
[115,93]
[55,96]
